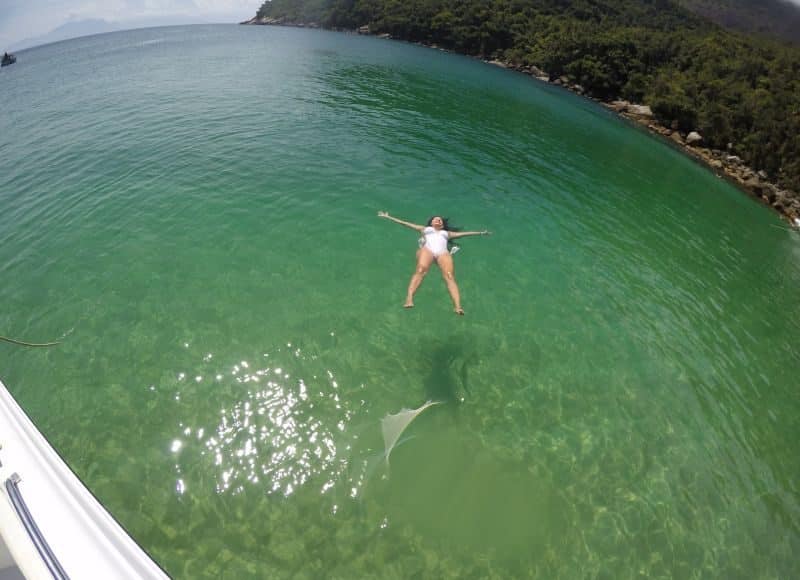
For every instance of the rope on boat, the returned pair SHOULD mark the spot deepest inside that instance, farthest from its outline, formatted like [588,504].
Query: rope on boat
[31,344]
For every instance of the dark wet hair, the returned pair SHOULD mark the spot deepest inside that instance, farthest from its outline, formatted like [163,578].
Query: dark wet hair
[445,224]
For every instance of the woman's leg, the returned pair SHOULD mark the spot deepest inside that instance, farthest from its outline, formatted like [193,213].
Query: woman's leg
[424,261]
[445,262]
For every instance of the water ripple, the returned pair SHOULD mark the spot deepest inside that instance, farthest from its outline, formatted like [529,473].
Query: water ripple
[619,400]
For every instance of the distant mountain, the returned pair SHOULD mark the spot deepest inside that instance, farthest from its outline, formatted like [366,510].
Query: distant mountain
[69,30]
[77,28]
[778,19]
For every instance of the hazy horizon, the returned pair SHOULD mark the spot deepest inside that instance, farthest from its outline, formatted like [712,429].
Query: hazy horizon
[27,23]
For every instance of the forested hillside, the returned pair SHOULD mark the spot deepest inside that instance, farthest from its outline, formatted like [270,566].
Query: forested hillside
[771,18]
[741,93]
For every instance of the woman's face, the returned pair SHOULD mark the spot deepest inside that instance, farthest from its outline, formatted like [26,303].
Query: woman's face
[437,223]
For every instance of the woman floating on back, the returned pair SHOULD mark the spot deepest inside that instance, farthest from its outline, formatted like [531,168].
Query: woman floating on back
[433,248]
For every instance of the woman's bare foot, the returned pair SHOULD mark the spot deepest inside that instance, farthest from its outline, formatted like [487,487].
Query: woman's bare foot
[460,311]
[408,304]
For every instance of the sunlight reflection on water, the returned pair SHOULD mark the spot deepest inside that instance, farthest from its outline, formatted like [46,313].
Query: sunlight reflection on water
[282,432]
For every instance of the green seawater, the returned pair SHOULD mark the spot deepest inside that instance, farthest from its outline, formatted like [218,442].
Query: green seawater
[192,211]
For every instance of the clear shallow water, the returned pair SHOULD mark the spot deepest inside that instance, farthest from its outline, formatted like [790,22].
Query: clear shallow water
[193,211]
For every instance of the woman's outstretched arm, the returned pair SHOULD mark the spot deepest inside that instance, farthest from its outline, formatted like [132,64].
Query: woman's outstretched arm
[384,214]
[454,235]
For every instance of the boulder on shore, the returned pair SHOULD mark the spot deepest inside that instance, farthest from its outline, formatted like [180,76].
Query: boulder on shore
[537,72]
[693,137]
[640,110]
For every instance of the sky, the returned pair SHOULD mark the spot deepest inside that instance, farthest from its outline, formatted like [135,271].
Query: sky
[25,19]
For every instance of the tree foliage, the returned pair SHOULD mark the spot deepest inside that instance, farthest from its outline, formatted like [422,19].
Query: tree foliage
[733,89]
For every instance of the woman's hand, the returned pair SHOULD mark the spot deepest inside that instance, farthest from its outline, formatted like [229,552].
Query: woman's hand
[486,233]
[383,214]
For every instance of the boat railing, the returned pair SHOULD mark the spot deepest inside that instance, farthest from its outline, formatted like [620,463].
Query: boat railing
[36,536]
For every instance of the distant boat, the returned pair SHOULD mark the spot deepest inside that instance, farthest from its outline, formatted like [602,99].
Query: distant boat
[8,59]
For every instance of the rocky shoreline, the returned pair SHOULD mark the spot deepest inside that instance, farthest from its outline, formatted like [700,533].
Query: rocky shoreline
[724,163]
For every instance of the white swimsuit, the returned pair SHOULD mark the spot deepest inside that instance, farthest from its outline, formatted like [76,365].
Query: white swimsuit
[435,240]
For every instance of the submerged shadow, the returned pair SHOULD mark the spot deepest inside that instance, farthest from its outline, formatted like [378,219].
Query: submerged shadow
[445,368]
[446,364]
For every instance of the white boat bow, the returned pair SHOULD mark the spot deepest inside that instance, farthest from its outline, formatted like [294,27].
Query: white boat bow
[51,526]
